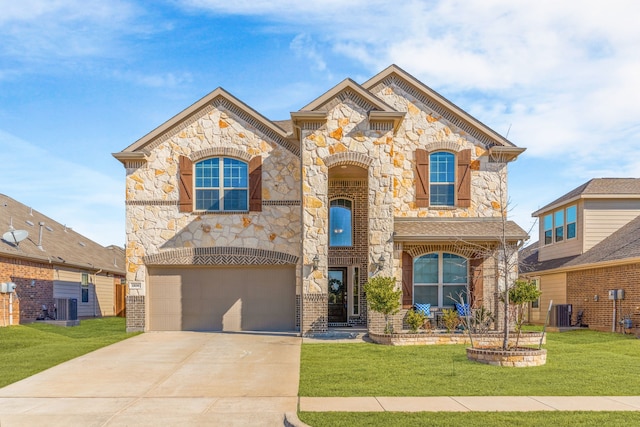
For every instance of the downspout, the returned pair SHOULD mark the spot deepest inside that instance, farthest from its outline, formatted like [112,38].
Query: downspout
[95,292]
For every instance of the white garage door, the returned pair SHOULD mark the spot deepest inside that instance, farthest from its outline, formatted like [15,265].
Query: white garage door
[222,298]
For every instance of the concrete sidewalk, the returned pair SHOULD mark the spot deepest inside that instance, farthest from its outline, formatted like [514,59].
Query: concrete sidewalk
[470,403]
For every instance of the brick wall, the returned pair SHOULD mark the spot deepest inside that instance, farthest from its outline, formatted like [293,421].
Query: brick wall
[314,315]
[135,313]
[28,299]
[583,286]
[358,254]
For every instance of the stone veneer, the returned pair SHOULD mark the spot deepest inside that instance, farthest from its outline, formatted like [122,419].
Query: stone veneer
[154,224]
[296,188]
[438,338]
[518,358]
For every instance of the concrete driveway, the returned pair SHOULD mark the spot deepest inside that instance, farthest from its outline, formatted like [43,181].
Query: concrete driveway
[164,379]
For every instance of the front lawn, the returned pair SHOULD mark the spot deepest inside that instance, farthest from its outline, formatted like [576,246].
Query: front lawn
[29,349]
[582,362]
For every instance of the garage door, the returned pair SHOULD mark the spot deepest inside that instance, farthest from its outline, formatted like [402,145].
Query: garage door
[222,298]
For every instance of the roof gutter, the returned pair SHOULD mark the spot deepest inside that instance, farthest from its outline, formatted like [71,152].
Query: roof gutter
[48,260]
[601,264]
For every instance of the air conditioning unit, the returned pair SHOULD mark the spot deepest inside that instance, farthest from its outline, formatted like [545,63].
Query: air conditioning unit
[561,315]
[66,309]
[7,287]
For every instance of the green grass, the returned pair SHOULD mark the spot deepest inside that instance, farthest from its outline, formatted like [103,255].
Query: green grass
[582,362]
[32,348]
[455,419]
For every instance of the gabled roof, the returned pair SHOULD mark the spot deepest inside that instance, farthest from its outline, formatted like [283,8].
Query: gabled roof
[621,246]
[60,245]
[376,108]
[597,188]
[137,149]
[464,229]
[347,84]
[447,109]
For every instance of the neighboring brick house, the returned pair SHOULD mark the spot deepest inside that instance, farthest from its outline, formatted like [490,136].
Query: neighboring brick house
[52,265]
[589,244]
[237,222]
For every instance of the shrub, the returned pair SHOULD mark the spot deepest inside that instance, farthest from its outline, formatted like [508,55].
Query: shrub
[450,319]
[416,320]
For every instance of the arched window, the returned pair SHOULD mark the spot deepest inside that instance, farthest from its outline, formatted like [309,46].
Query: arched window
[340,222]
[439,278]
[442,178]
[222,184]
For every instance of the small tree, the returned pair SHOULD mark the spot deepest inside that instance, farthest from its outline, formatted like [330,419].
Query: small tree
[384,298]
[520,294]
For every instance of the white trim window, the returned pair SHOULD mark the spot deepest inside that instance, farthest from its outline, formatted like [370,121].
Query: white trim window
[560,225]
[572,222]
[84,288]
[439,279]
[223,188]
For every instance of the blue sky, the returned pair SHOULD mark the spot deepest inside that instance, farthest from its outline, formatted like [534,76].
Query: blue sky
[81,79]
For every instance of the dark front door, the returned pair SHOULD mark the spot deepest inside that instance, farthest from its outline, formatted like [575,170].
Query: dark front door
[337,295]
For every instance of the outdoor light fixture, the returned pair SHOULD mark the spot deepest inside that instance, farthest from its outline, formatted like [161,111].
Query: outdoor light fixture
[316,261]
[381,262]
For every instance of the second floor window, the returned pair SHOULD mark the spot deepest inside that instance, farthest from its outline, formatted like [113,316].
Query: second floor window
[548,229]
[340,223]
[560,225]
[442,178]
[221,184]
[571,222]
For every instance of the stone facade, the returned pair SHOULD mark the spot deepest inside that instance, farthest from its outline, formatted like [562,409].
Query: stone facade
[354,142]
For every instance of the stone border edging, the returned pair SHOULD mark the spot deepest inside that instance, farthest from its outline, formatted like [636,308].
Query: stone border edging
[517,358]
[479,340]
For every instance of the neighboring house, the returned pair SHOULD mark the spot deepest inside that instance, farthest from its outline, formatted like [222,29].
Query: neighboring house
[52,265]
[237,222]
[589,244]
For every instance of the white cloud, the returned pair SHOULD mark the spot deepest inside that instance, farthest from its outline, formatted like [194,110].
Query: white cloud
[303,45]
[45,31]
[564,75]
[70,193]
[166,80]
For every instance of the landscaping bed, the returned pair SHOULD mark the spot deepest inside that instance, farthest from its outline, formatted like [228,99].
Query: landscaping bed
[491,339]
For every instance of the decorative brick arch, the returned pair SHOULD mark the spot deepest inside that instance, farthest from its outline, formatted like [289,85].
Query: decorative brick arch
[465,251]
[220,151]
[220,255]
[348,158]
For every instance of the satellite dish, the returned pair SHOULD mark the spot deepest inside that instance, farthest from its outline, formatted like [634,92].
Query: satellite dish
[15,236]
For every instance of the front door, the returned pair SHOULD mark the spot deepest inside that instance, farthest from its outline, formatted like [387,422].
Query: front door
[337,295]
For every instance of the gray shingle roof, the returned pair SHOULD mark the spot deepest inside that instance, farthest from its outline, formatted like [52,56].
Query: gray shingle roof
[598,186]
[470,229]
[621,245]
[60,245]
